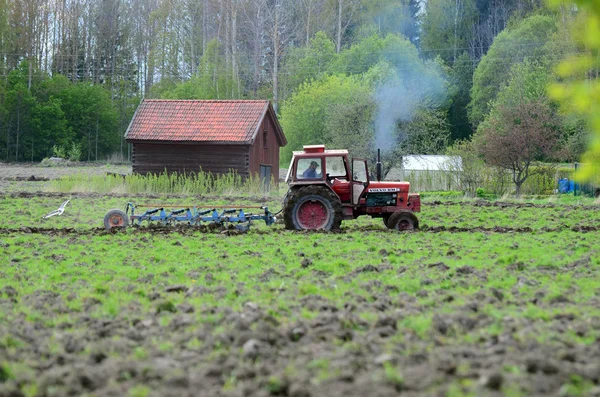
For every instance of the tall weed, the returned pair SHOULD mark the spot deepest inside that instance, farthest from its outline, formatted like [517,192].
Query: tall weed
[201,183]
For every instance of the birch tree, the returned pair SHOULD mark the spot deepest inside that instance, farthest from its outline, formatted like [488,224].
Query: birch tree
[255,12]
[346,15]
[281,30]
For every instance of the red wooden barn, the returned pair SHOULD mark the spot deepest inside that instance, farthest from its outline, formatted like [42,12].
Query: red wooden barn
[219,136]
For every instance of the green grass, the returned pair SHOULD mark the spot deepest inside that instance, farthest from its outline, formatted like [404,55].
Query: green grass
[509,285]
[109,279]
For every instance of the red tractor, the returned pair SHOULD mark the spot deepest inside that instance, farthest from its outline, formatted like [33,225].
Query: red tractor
[325,187]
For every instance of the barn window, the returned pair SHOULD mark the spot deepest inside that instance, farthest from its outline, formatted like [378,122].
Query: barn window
[265,143]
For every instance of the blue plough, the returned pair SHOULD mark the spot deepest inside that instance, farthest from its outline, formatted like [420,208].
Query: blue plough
[218,216]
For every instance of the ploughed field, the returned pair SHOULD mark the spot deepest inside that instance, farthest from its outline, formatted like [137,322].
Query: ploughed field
[486,299]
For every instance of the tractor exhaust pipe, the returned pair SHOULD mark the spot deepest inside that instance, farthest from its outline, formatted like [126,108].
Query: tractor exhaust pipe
[378,167]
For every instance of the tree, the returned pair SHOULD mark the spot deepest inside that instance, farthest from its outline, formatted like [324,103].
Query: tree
[404,97]
[493,16]
[528,81]
[400,17]
[427,132]
[514,137]
[20,105]
[311,9]
[166,47]
[245,49]
[579,90]
[346,14]
[212,81]
[525,41]
[6,34]
[254,28]
[50,129]
[92,118]
[361,56]
[350,126]
[447,25]
[381,95]
[304,115]
[280,32]
[310,62]
[144,26]
[461,79]
[397,51]
[3,120]
[576,137]
[470,167]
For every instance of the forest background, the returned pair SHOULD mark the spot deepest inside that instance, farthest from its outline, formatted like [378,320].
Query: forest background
[406,76]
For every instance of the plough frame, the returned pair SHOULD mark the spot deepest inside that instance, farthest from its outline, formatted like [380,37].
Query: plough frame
[189,215]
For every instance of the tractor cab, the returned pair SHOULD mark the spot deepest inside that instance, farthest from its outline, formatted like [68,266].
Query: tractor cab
[347,185]
[316,165]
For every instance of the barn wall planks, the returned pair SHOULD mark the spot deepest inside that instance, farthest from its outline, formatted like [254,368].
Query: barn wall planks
[154,158]
[265,149]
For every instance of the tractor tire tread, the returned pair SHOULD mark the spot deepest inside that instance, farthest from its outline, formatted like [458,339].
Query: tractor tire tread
[109,214]
[400,215]
[296,194]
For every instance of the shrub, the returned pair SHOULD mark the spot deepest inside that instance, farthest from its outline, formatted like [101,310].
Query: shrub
[471,167]
[59,151]
[74,152]
[565,172]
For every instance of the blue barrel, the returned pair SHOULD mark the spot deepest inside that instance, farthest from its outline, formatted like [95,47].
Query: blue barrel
[563,185]
[572,185]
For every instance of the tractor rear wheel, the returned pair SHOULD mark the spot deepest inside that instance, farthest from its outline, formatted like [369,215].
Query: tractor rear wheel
[312,208]
[403,220]
[115,218]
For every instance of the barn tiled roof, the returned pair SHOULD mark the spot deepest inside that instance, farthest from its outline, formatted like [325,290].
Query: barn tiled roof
[197,121]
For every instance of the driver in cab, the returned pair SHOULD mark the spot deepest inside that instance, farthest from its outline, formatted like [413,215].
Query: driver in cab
[311,171]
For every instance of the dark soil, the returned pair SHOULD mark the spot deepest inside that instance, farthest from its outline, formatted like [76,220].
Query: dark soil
[231,231]
[350,356]
[503,204]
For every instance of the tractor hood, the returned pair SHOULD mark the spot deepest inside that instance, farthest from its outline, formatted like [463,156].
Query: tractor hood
[384,187]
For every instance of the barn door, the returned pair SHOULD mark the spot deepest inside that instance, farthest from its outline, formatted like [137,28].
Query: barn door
[265,177]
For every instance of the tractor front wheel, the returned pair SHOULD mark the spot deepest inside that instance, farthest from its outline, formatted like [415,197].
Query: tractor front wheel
[403,220]
[313,208]
[115,218]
